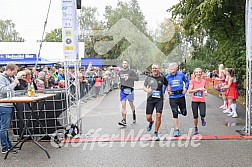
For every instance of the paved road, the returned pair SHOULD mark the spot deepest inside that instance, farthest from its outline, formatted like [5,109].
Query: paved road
[100,119]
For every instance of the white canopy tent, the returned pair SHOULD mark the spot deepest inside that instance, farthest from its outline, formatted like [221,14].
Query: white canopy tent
[52,51]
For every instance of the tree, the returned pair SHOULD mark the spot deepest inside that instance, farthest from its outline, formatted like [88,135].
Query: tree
[171,33]
[131,11]
[87,22]
[8,32]
[223,22]
[54,36]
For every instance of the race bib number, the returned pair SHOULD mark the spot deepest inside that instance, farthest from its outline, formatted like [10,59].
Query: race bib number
[127,91]
[124,75]
[156,94]
[198,94]
[175,83]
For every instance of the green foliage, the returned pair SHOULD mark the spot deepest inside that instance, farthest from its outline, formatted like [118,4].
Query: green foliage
[131,11]
[54,36]
[192,64]
[165,29]
[222,24]
[87,22]
[8,32]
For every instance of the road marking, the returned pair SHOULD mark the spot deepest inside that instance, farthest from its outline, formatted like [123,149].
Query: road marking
[196,137]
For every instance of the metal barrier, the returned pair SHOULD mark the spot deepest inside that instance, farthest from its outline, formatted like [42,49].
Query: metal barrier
[52,114]
[88,91]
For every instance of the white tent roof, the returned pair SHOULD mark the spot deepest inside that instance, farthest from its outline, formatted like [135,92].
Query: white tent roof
[50,50]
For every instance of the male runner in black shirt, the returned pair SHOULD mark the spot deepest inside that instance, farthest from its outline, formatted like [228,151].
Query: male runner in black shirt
[127,78]
[153,85]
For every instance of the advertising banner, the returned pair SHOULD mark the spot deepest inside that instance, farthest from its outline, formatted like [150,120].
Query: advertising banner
[249,31]
[17,57]
[70,30]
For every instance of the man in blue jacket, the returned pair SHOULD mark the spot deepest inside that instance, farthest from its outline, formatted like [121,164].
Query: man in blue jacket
[178,85]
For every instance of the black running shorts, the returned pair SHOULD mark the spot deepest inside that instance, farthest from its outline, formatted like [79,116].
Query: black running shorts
[154,103]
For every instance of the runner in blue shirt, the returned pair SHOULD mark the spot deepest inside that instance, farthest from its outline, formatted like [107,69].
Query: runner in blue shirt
[178,85]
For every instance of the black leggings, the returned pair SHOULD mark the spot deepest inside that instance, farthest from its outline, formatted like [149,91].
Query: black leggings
[178,102]
[201,106]
[97,91]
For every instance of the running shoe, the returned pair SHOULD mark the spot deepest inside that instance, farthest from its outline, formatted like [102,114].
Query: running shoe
[134,117]
[203,122]
[156,138]
[13,151]
[122,123]
[149,126]
[227,111]
[176,133]
[196,131]
[4,151]
[230,114]
[234,115]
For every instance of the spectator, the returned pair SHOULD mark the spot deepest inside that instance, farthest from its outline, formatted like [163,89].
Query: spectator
[21,76]
[7,109]
[53,72]
[97,85]
[40,82]
[61,74]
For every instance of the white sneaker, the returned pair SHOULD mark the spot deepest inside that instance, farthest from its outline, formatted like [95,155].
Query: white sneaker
[230,114]
[226,111]
[235,115]
[222,106]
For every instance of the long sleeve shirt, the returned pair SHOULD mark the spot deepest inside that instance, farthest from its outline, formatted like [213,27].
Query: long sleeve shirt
[177,82]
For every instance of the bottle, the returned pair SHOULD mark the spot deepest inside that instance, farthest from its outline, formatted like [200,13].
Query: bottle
[29,90]
[9,96]
[32,89]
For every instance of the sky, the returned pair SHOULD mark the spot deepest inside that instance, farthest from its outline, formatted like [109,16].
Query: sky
[29,15]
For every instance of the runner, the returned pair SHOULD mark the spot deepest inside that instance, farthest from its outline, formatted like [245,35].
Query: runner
[197,88]
[153,85]
[126,79]
[177,87]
